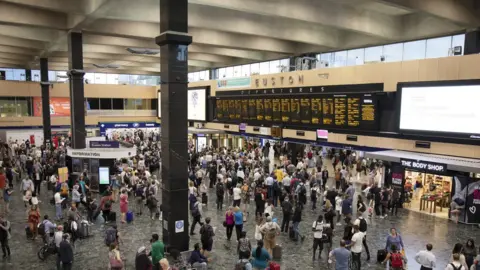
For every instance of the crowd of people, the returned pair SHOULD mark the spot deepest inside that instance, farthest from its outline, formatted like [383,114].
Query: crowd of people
[257,184]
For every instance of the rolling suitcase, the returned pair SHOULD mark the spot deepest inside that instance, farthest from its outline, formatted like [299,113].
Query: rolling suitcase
[84,230]
[291,233]
[273,266]
[129,216]
[381,255]
[277,252]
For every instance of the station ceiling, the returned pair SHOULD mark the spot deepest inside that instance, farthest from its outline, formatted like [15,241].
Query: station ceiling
[225,32]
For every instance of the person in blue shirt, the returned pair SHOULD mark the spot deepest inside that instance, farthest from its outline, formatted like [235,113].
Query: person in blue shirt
[260,256]
[238,217]
[347,206]
[49,228]
[341,256]
[197,260]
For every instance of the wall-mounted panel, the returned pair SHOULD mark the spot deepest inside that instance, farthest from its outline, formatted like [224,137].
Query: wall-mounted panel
[292,133]
[225,127]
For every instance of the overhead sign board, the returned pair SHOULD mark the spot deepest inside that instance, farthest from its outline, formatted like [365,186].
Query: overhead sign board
[424,165]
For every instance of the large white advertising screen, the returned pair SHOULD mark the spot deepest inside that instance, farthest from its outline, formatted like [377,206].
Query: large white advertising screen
[197,104]
[450,109]
[104,175]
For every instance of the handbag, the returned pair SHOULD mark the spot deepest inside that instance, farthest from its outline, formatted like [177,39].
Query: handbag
[115,263]
[224,223]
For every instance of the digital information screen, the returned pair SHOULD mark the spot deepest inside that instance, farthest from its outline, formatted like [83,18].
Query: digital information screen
[316,110]
[295,110]
[277,110]
[231,109]
[305,111]
[285,110]
[356,111]
[340,110]
[268,109]
[449,109]
[238,109]
[328,111]
[104,175]
[197,104]
[219,108]
[260,109]
[252,109]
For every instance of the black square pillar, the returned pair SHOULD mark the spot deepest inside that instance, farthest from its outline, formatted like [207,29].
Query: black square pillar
[472,42]
[173,42]
[77,95]
[44,83]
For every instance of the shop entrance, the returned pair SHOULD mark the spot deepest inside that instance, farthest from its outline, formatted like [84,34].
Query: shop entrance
[428,192]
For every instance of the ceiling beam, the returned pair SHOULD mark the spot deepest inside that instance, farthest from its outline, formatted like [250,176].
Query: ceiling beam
[200,36]
[463,12]
[316,12]
[30,33]
[13,56]
[17,50]
[69,6]
[14,14]
[20,42]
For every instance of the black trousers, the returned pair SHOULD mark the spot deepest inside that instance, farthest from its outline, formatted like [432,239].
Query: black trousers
[377,209]
[425,268]
[317,243]
[364,242]
[219,203]
[5,247]
[194,223]
[229,231]
[394,209]
[37,184]
[285,222]
[356,261]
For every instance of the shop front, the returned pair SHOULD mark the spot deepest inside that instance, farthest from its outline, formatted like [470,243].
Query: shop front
[430,183]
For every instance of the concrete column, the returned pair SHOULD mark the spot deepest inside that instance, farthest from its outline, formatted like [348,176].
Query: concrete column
[45,85]
[77,95]
[472,42]
[173,42]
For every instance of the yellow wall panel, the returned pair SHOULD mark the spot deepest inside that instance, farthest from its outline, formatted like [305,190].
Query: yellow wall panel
[250,130]
[391,73]
[448,68]
[468,67]
[410,71]
[428,70]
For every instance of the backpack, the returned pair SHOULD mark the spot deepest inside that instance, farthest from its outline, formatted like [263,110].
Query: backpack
[303,190]
[220,190]
[363,225]
[41,229]
[110,236]
[139,191]
[276,188]
[457,268]
[195,211]
[396,260]
[241,265]
[205,232]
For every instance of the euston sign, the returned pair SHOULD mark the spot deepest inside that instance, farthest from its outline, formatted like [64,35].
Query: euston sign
[424,165]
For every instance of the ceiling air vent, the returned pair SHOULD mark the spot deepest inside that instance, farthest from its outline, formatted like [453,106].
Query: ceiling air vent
[106,66]
[143,51]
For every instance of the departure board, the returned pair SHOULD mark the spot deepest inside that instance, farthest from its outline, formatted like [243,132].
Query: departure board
[238,109]
[252,109]
[260,109]
[329,111]
[353,111]
[295,110]
[340,110]
[305,111]
[277,110]
[231,109]
[268,109]
[225,109]
[219,108]
[316,111]
[245,109]
[328,115]
[285,110]
[369,111]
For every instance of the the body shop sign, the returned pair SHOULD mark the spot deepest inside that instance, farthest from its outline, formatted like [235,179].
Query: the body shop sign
[424,165]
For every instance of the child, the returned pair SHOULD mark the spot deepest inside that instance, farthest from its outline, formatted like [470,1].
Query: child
[7,198]
[338,207]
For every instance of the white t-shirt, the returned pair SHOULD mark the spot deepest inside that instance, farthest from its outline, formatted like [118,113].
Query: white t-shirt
[319,226]
[338,203]
[236,193]
[58,238]
[357,238]
[268,209]
[269,181]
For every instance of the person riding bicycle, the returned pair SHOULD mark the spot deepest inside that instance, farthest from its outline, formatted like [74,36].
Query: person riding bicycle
[46,229]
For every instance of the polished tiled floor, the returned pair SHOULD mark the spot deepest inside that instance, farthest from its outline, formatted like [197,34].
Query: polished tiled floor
[416,229]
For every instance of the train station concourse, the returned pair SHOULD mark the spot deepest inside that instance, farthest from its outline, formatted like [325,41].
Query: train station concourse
[239,134]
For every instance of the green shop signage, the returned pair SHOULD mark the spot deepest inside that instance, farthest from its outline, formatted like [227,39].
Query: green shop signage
[234,82]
